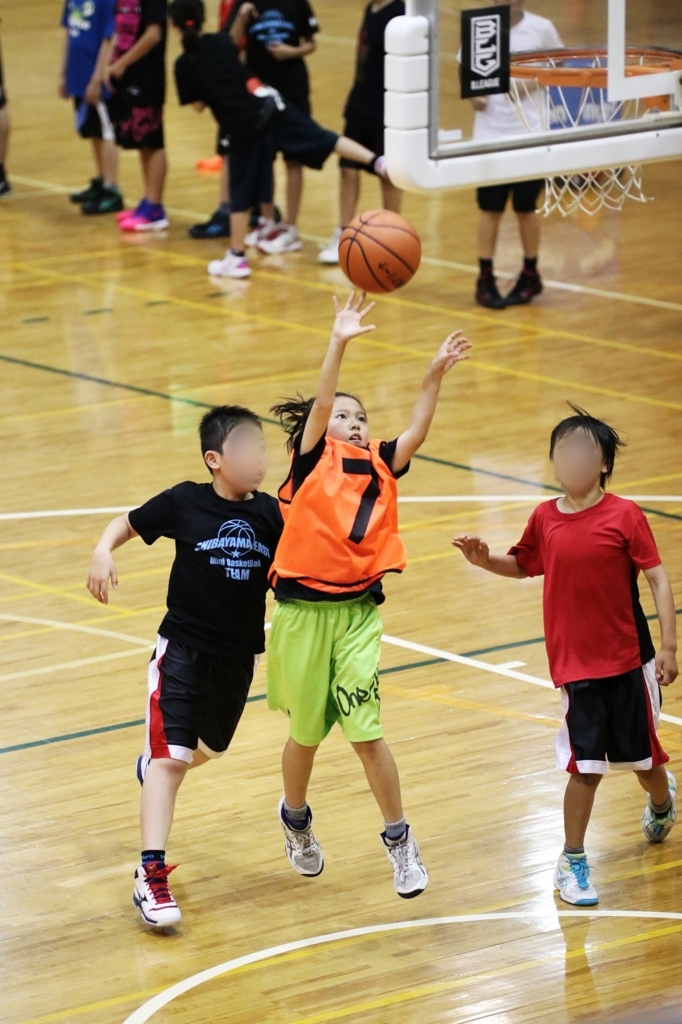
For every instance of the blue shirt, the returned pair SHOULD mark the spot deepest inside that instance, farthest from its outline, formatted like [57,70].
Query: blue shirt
[88,23]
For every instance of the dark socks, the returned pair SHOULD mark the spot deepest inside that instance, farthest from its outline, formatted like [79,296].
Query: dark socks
[574,851]
[531,264]
[297,818]
[237,252]
[395,830]
[150,856]
[224,209]
[486,266]
[662,810]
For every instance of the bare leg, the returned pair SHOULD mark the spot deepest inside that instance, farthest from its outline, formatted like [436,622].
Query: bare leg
[154,168]
[391,195]
[655,782]
[488,228]
[199,758]
[297,765]
[529,230]
[225,182]
[578,803]
[294,191]
[161,785]
[4,133]
[239,225]
[382,775]
[97,155]
[353,150]
[109,162]
[349,193]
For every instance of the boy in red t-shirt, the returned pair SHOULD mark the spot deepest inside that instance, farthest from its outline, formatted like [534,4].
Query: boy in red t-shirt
[590,546]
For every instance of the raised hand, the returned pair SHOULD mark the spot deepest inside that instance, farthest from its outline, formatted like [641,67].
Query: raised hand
[348,321]
[455,349]
[474,549]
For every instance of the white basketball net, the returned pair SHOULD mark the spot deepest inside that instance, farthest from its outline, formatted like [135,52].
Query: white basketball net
[543,109]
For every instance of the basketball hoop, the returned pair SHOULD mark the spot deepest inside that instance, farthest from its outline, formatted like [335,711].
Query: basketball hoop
[552,90]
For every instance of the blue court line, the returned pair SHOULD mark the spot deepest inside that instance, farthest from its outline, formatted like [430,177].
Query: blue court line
[261,696]
[150,392]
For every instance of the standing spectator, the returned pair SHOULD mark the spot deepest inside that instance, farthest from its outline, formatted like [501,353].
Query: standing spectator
[364,114]
[87,44]
[4,135]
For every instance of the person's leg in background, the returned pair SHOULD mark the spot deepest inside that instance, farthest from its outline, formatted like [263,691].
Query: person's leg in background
[4,136]
[492,200]
[99,129]
[529,283]
[141,128]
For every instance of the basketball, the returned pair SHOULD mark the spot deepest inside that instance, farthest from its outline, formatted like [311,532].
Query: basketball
[379,251]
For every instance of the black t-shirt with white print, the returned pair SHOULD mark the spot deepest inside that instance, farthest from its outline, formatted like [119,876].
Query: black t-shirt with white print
[279,21]
[301,467]
[223,553]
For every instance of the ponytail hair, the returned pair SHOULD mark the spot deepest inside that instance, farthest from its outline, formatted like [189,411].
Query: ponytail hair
[293,414]
[189,17]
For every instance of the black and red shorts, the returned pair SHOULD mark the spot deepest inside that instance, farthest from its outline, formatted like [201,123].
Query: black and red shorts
[195,700]
[611,722]
[137,127]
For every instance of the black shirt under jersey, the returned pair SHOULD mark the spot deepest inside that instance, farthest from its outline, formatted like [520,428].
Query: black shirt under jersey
[218,78]
[301,467]
[223,553]
[279,21]
[365,103]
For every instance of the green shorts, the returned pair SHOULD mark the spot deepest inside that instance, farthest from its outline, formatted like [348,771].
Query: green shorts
[323,667]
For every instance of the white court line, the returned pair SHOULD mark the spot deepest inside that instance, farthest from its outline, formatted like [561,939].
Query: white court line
[581,289]
[432,499]
[484,666]
[93,630]
[148,1009]
[64,665]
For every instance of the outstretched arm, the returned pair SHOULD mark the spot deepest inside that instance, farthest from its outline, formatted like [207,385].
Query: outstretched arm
[666,660]
[103,567]
[477,552]
[347,325]
[453,350]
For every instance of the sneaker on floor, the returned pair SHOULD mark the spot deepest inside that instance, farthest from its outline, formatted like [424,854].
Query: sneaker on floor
[528,285]
[5,187]
[217,226]
[409,874]
[109,200]
[656,828]
[330,253]
[572,879]
[141,766]
[282,238]
[302,848]
[487,294]
[125,214]
[91,192]
[231,265]
[262,228]
[152,217]
[152,896]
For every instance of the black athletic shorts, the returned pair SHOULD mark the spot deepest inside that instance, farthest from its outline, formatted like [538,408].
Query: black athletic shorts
[289,132]
[493,198]
[194,700]
[611,722]
[371,136]
[136,127]
[92,122]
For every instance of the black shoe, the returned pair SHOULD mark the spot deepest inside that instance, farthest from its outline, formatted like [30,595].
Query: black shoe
[5,187]
[487,294]
[91,192]
[528,285]
[255,214]
[217,227]
[109,200]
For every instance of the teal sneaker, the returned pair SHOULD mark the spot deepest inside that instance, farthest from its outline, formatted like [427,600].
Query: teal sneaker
[656,828]
[572,879]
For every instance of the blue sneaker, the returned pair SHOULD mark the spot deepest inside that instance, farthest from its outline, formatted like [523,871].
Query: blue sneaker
[572,879]
[656,828]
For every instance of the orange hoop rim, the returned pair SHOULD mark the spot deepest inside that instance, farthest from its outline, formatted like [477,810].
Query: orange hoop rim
[526,65]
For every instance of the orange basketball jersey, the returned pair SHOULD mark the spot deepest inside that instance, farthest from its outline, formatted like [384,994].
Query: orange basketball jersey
[341,526]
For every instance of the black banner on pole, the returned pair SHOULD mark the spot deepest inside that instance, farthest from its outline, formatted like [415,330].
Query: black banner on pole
[485,51]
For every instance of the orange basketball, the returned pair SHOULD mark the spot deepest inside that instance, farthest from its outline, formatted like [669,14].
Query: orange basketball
[379,251]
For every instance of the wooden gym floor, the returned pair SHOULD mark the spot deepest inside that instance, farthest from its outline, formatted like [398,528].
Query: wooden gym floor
[111,347]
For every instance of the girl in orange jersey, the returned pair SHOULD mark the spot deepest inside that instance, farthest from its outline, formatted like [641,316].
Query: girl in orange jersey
[340,538]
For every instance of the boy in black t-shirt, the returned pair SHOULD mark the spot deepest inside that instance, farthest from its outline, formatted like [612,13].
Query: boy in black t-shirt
[199,676]
[279,35]
[364,114]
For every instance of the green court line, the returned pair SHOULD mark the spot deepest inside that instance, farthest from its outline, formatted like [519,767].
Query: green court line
[150,392]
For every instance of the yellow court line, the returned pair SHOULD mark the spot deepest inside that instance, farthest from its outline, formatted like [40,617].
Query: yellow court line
[291,325]
[428,696]
[467,513]
[650,480]
[68,410]
[66,542]
[474,979]
[43,589]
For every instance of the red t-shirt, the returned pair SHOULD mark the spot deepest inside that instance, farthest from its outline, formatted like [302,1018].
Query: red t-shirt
[594,623]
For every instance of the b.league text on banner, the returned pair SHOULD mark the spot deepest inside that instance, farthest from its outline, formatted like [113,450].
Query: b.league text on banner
[485,51]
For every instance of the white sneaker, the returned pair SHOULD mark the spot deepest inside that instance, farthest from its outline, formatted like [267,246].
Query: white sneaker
[409,874]
[264,227]
[330,253]
[230,265]
[282,238]
[153,898]
[572,879]
[302,848]
[655,828]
